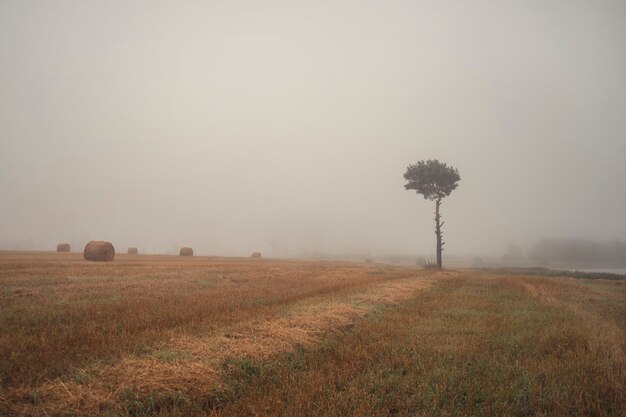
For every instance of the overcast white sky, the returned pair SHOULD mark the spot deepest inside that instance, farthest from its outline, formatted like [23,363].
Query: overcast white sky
[286,126]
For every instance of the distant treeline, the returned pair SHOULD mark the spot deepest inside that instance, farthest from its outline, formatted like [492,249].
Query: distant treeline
[577,251]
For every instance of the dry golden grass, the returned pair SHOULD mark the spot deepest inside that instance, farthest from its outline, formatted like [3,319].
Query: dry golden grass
[165,335]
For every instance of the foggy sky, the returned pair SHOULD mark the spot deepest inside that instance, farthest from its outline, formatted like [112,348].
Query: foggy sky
[286,126]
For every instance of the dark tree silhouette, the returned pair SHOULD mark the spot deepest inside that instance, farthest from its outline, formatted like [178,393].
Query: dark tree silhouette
[434,180]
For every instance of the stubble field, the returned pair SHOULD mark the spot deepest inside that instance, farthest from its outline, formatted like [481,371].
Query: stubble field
[164,335]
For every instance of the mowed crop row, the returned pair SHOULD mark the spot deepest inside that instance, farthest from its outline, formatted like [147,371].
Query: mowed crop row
[471,345]
[60,314]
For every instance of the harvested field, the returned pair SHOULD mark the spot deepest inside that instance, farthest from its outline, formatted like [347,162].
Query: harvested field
[170,335]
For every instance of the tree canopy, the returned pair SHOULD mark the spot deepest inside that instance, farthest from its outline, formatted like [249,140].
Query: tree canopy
[432,179]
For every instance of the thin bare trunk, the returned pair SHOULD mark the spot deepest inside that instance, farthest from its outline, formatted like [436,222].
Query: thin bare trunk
[438,232]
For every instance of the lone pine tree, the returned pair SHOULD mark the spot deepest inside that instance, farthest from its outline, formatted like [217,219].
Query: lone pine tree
[434,180]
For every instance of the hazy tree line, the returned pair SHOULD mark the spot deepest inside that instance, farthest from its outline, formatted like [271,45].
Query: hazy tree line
[578,251]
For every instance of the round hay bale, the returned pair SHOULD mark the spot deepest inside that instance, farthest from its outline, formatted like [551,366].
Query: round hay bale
[99,251]
[63,247]
[256,255]
[186,251]
[133,251]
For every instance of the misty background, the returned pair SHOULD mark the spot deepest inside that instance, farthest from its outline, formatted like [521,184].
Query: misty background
[286,126]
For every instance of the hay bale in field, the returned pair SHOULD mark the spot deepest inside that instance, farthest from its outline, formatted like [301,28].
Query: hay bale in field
[99,251]
[256,255]
[132,251]
[63,247]
[186,251]
[368,260]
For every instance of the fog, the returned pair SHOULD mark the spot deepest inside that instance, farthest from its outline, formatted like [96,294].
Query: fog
[286,126]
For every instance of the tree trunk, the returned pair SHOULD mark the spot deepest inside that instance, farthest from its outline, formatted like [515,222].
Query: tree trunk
[438,225]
